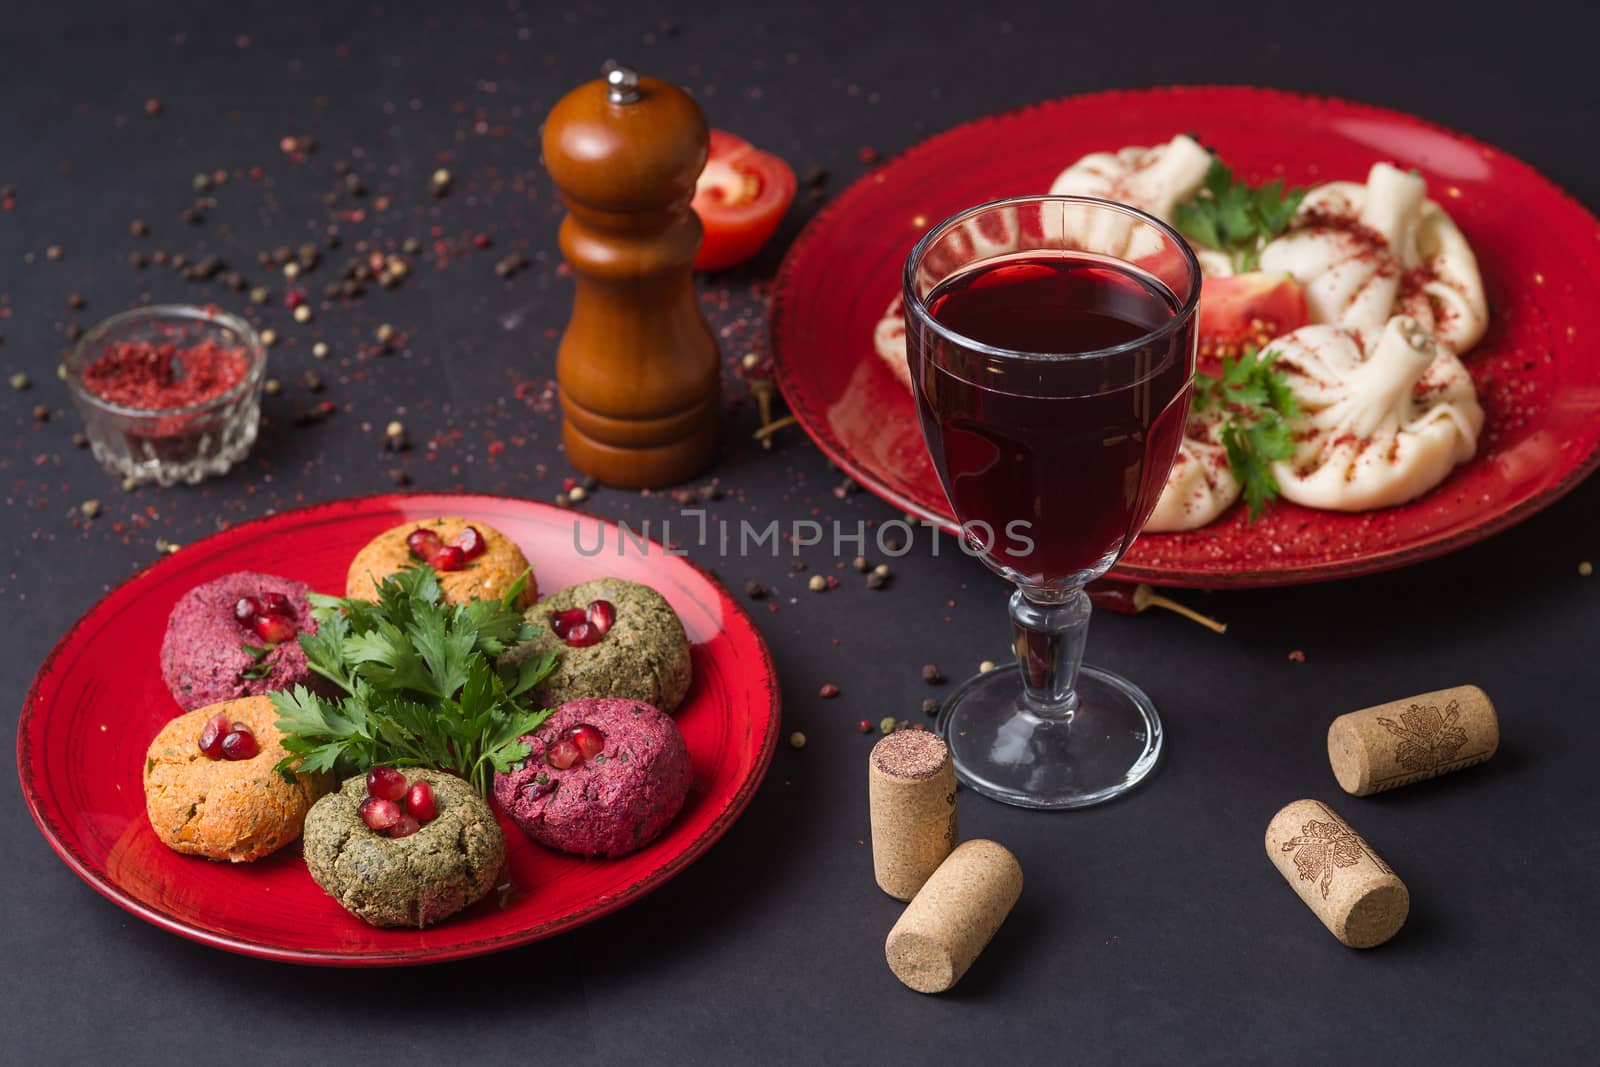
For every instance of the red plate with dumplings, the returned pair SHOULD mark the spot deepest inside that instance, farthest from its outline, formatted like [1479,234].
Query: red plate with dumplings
[99,699]
[1537,369]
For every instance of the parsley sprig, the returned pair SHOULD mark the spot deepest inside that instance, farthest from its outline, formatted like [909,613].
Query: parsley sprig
[421,680]
[1235,217]
[1258,404]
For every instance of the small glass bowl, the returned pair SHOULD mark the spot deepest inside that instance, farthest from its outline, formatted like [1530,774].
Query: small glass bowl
[171,445]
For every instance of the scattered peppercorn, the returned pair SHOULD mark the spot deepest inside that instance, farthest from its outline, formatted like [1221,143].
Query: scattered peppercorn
[817,584]
[986,666]
[258,295]
[319,350]
[930,706]
[932,674]
[302,313]
[864,726]
[755,590]
[90,508]
[860,563]
[797,740]
[886,724]
[41,413]
[313,381]
[80,440]
[139,228]
[269,337]
[53,253]
[828,691]
[578,494]
[272,387]
[1585,569]
[20,381]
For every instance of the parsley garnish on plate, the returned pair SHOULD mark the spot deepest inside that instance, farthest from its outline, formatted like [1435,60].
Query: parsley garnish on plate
[1258,404]
[421,680]
[1235,217]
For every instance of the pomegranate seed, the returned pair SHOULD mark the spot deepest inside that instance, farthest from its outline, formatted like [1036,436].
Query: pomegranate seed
[211,735]
[562,621]
[471,543]
[405,826]
[274,629]
[386,783]
[423,543]
[601,614]
[379,814]
[864,726]
[447,558]
[277,604]
[562,755]
[583,635]
[246,608]
[239,743]
[420,802]
[589,739]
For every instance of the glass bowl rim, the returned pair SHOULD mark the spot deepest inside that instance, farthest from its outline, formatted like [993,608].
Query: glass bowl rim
[249,339]
[915,304]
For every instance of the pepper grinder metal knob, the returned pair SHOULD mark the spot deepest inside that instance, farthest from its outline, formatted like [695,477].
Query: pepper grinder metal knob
[638,367]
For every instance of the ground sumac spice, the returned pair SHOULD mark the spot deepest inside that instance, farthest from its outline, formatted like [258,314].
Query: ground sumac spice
[148,376]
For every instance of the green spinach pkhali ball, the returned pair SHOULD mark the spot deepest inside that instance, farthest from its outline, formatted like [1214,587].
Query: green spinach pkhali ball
[644,656]
[448,864]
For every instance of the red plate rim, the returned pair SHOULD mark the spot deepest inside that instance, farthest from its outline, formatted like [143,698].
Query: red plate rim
[114,893]
[817,429]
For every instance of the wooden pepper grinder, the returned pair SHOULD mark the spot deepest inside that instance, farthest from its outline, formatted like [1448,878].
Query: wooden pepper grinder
[638,367]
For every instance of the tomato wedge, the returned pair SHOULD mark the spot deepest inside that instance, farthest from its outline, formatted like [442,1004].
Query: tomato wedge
[740,197]
[1248,309]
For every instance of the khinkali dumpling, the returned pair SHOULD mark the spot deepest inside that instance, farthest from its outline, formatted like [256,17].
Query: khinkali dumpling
[1385,414]
[1364,253]
[1154,179]
[1201,485]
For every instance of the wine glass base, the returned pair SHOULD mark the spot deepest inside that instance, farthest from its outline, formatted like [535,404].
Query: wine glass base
[1004,751]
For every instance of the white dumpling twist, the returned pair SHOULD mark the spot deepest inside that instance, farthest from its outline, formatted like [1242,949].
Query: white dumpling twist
[1201,485]
[1154,179]
[1364,253]
[1385,414]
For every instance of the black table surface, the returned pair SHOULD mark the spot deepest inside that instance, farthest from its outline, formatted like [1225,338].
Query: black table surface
[1150,930]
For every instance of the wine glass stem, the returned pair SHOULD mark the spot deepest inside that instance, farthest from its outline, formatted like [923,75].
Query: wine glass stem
[1049,643]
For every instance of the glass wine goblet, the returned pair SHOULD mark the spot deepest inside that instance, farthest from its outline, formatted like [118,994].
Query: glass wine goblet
[1051,342]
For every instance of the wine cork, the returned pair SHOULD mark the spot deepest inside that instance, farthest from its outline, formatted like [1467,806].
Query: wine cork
[954,916]
[1410,740]
[1355,894]
[911,789]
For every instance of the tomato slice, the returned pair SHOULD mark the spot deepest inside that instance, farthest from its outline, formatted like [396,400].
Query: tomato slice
[1248,309]
[740,197]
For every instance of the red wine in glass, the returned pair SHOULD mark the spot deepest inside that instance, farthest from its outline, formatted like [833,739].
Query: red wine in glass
[1051,342]
[1071,446]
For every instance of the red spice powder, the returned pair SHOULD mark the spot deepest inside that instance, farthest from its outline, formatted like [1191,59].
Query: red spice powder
[148,377]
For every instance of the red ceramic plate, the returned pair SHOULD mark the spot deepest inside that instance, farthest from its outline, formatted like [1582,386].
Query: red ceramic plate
[99,699]
[1537,370]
